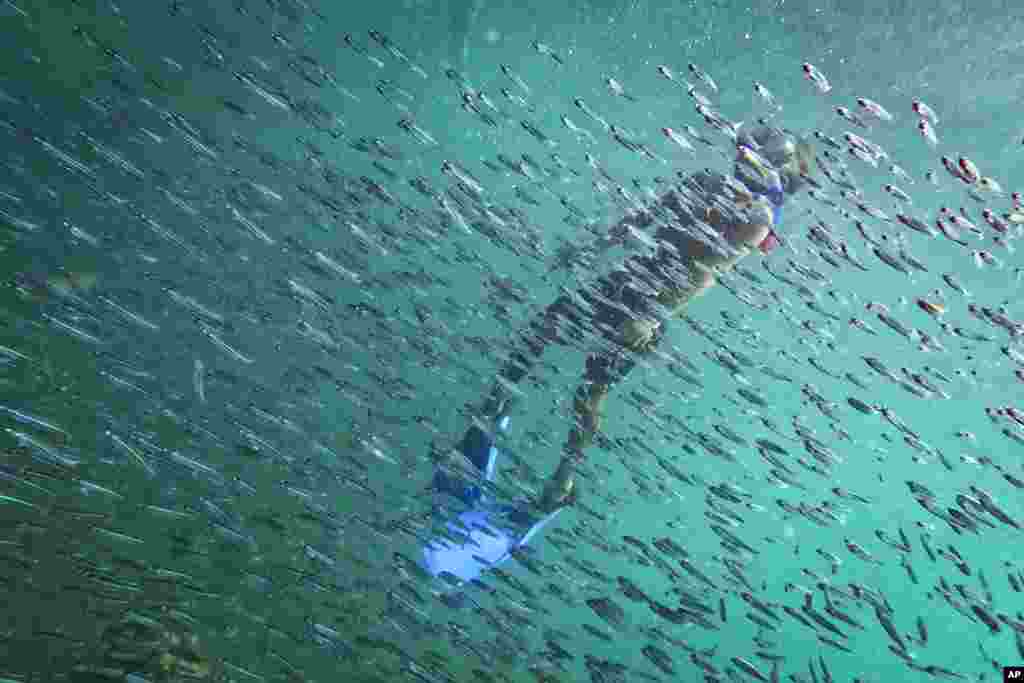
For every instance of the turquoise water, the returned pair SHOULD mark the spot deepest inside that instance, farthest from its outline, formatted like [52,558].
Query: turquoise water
[230,363]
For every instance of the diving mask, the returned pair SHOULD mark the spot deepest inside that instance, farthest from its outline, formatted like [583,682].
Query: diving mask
[790,157]
[758,174]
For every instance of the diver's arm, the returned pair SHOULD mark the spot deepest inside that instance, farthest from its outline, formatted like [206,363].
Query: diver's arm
[618,233]
[670,204]
[703,262]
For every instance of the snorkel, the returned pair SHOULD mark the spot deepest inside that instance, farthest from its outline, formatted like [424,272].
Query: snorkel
[772,163]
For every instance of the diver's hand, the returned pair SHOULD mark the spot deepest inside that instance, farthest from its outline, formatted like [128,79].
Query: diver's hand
[638,334]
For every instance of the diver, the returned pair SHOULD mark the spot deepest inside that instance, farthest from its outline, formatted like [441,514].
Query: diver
[630,308]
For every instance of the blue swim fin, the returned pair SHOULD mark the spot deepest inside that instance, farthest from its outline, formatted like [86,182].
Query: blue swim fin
[540,524]
[478,447]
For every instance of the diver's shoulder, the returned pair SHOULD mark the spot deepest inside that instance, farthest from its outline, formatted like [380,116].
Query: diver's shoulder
[706,181]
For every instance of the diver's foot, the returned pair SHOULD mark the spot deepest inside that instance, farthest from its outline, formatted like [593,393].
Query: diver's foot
[561,489]
[553,500]
[498,407]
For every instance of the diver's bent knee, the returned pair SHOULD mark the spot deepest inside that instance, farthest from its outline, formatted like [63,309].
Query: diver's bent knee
[702,281]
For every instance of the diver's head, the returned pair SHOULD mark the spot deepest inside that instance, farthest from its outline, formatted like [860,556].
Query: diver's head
[790,155]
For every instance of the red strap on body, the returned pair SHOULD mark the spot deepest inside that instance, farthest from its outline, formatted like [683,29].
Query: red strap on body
[770,241]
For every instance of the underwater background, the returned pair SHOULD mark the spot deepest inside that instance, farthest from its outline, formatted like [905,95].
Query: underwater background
[237,341]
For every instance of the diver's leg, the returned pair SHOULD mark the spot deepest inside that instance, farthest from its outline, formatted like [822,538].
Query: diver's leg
[603,372]
[478,444]
[541,331]
[634,336]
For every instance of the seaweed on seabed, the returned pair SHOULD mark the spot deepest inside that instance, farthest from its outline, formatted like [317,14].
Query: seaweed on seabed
[156,649]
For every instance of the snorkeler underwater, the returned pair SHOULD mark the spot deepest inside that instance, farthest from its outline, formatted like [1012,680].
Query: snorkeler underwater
[487,342]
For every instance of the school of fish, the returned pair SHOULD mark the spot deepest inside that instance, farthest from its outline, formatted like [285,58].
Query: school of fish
[243,326]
